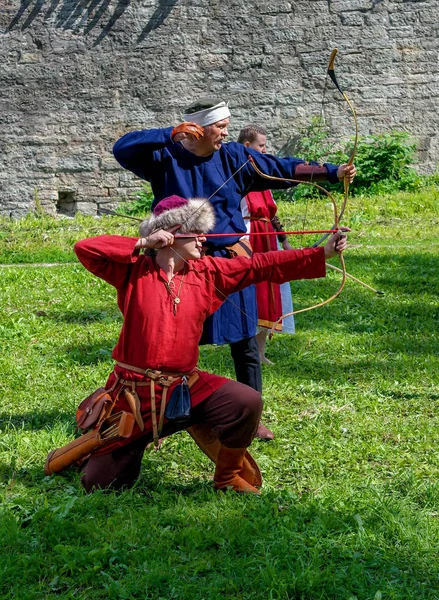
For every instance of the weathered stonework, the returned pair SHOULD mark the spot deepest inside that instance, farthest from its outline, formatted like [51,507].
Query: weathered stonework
[76,75]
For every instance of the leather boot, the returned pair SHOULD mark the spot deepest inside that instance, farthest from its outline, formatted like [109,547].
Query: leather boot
[228,466]
[263,433]
[208,442]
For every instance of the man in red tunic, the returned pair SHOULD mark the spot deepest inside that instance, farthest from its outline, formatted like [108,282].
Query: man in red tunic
[164,298]
[259,211]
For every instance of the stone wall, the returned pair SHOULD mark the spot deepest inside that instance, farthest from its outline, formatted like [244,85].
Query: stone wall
[77,75]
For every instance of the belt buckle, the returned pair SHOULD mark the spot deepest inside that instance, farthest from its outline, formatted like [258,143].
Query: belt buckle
[152,374]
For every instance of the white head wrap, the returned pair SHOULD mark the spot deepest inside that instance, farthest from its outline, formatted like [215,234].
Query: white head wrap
[210,111]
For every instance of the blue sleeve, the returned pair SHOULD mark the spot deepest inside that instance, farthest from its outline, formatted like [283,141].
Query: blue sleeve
[332,172]
[136,150]
[280,167]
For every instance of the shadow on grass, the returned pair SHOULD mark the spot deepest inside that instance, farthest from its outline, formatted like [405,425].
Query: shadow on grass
[409,274]
[36,420]
[89,354]
[34,476]
[295,360]
[85,316]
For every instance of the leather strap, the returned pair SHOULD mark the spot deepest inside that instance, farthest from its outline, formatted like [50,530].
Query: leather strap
[155,433]
[241,248]
[134,402]
[152,373]
[162,409]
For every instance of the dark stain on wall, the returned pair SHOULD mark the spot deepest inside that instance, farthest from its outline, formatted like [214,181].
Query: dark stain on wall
[160,14]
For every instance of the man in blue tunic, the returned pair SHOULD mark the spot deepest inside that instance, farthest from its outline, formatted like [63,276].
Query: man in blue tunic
[192,160]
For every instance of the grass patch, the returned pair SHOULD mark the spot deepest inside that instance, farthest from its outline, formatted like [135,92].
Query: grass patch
[350,502]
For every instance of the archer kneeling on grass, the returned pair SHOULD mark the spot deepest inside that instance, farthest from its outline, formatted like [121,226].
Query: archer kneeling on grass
[165,291]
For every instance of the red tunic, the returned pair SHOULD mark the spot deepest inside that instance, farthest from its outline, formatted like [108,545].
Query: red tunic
[262,209]
[152,336]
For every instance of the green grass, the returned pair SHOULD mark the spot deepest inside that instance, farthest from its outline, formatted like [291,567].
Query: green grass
[350,503]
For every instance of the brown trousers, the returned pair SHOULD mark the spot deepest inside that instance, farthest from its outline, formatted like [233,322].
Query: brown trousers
[233,411]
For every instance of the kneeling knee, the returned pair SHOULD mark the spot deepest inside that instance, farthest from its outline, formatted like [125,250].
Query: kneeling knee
[91,484]
[250,402]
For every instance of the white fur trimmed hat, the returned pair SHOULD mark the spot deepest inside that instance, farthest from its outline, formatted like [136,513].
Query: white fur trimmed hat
[195,215]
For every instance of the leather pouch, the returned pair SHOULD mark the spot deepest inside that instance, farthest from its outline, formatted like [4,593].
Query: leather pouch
[93,409]
[178,408]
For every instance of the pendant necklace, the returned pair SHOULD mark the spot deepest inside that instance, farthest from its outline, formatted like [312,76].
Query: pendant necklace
[170,285]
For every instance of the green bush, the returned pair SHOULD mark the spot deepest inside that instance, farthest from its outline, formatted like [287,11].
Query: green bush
[383,161]
[141,205]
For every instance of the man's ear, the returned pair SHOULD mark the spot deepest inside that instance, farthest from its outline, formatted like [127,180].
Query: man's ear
[247,144]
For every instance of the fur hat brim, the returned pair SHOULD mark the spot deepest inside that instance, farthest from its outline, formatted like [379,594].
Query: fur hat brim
[197,216]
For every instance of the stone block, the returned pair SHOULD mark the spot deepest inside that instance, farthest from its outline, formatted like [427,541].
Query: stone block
[352,19]
[344,6]
[76,163]
[31,57]
[87,208]
[121,192]
[400,33]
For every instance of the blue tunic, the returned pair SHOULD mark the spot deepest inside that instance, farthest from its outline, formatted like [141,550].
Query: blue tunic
[171,169]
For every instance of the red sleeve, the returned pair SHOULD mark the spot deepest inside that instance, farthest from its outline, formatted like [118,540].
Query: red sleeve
[108,256]
[234,274]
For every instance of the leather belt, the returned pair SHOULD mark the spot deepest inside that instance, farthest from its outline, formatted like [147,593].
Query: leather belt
[152,373]
[163,378]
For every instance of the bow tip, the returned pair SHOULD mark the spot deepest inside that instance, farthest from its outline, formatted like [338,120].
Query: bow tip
[332,59]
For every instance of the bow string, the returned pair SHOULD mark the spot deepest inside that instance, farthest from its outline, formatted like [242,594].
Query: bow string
[335,227]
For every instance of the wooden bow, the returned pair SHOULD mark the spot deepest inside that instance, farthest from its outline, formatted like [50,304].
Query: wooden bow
[337,215]
[350,162]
